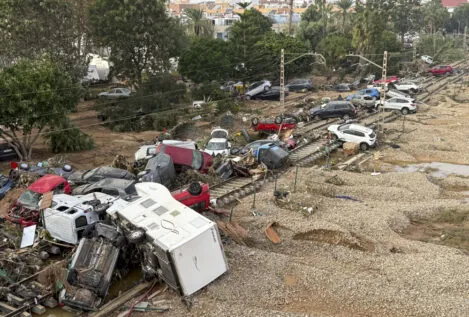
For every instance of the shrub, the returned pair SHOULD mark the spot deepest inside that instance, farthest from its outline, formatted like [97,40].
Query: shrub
[68,138]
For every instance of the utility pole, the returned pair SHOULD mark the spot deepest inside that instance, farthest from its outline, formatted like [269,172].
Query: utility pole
[414,55]
[290,16]
[381,111]
[282,80]
[465,39]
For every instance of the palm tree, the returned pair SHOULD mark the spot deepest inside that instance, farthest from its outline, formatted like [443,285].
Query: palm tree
[344,5]
[198,26]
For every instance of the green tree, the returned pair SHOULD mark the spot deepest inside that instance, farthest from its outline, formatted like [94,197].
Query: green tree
[460,19]
[334,48]
[34,96]
[198,26]
[196,64]
[244,5]
[58,28]
[141,36]
[310,30]
[344,6]
[435,16]
[243,35]
[406,17]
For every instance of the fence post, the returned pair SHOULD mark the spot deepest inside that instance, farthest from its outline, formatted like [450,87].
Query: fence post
[296,177]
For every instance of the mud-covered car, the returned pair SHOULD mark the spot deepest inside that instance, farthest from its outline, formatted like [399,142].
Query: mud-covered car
[97,174]
[111,186]
[159,169]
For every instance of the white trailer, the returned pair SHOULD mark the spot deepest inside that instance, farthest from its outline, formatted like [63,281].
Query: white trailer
[181,247]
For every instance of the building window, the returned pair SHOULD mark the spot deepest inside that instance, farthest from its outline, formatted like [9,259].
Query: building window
[219,35]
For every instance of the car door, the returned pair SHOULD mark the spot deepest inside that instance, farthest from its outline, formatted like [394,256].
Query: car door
[327,111]
[348,136]
[368,101]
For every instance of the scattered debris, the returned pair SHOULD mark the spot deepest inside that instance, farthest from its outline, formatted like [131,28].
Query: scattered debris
[271,234]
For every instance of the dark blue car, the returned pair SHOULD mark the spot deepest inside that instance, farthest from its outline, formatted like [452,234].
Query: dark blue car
[6,185]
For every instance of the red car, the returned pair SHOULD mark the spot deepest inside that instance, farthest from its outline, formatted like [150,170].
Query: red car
[441,70]
[196,196]
[25,211]
[269,125]
[183,157]
[391,79]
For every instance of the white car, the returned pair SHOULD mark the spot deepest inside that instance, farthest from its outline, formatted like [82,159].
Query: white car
[407,86]
[115,93]
[218,144]
[404,105]
[354,133]
[392,93]
[147,151]
[257,88]
[427,59]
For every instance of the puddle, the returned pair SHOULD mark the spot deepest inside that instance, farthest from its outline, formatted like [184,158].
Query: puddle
[436,169]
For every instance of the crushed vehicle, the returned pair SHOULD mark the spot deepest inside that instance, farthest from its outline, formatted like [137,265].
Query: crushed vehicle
[427,59]
[257,88]
[42,169]
[388,80]
[147,151]
[373,92]
[407,86]
[278,123]
[99,173]
[68,216]
[195,196]
[186,158]
[441,70]
[92,268]
[272,155]
[300,85]
[405,106]
[110,186]
[25,211]
[218,144]
[253,146]
[364,101]
[340,88]
[7,152]
[353,133]
[271,94]
[334,109]
[6,184]
[176,244]
[115,93]
[392,93]
[159,169]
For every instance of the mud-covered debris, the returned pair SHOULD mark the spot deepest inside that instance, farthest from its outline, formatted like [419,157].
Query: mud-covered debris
[271,233]
[335,180]
[234,230]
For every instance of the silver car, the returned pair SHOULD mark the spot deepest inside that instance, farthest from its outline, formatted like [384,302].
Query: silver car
[115,93]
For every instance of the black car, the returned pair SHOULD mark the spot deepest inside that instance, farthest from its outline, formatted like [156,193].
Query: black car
[271,94]
[334,109]
[7,153]
[97,174]
[302,85]
[159,169]
[111,186]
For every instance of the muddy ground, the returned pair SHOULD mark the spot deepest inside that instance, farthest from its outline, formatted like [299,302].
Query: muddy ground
[391,243]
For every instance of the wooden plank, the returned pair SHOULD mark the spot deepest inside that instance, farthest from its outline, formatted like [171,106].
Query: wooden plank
[115,304]
[46,201]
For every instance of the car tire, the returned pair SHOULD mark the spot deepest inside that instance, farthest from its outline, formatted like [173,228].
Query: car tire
[405,111]
[255,121]
[364,146]
[346,117]
[413,91]
[195,189]
[278,119]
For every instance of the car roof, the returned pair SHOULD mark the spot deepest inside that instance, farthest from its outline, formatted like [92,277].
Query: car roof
[114,183]
[356,127]
[46,183]
[112,171]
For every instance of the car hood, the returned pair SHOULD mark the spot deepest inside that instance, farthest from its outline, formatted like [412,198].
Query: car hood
[219,134]
[314,110]
[80,190]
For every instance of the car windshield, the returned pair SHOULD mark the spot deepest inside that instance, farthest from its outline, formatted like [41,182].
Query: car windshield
[255,85]
[344,127]
[29,199]
[3,181]
[89,173]
[214,146]
[197,160]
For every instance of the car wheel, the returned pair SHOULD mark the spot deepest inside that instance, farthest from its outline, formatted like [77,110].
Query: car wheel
[363,146]
[346,117]
[195,189]
[255,121]
[413,91]
[278,119]
[404,111]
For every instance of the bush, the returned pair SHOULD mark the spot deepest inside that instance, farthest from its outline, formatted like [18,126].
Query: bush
[209,90]
[68,138]
[228,105]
